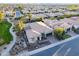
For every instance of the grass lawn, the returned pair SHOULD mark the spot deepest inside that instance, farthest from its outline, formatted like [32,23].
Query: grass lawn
[5,36]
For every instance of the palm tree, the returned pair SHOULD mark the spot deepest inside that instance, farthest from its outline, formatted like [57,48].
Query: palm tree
[21,32]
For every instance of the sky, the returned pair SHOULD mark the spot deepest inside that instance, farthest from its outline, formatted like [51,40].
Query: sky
[39,1]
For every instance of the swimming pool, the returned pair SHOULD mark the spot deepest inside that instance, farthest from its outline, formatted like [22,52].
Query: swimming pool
[18,14]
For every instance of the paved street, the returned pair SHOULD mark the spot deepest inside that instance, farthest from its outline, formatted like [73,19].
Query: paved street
[68,48]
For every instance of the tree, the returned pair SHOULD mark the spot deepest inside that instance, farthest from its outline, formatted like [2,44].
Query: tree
[30,16]
[19,7]
[20,25]
[68,15]
[1,16]
[40,18]
[58,33]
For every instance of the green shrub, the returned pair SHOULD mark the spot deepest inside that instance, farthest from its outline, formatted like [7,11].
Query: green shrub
[65,36]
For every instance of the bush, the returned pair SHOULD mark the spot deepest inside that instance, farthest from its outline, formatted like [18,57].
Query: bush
[65,36]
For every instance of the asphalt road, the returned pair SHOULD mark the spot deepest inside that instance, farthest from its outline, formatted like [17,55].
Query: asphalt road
[69,48]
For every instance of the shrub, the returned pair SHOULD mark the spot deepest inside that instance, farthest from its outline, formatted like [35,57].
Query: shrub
[65,36]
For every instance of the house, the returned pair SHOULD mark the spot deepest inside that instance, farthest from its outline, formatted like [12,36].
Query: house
[9,13]
[33,36]
[66,26]
[55,24]
[42,28]
[39,15]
